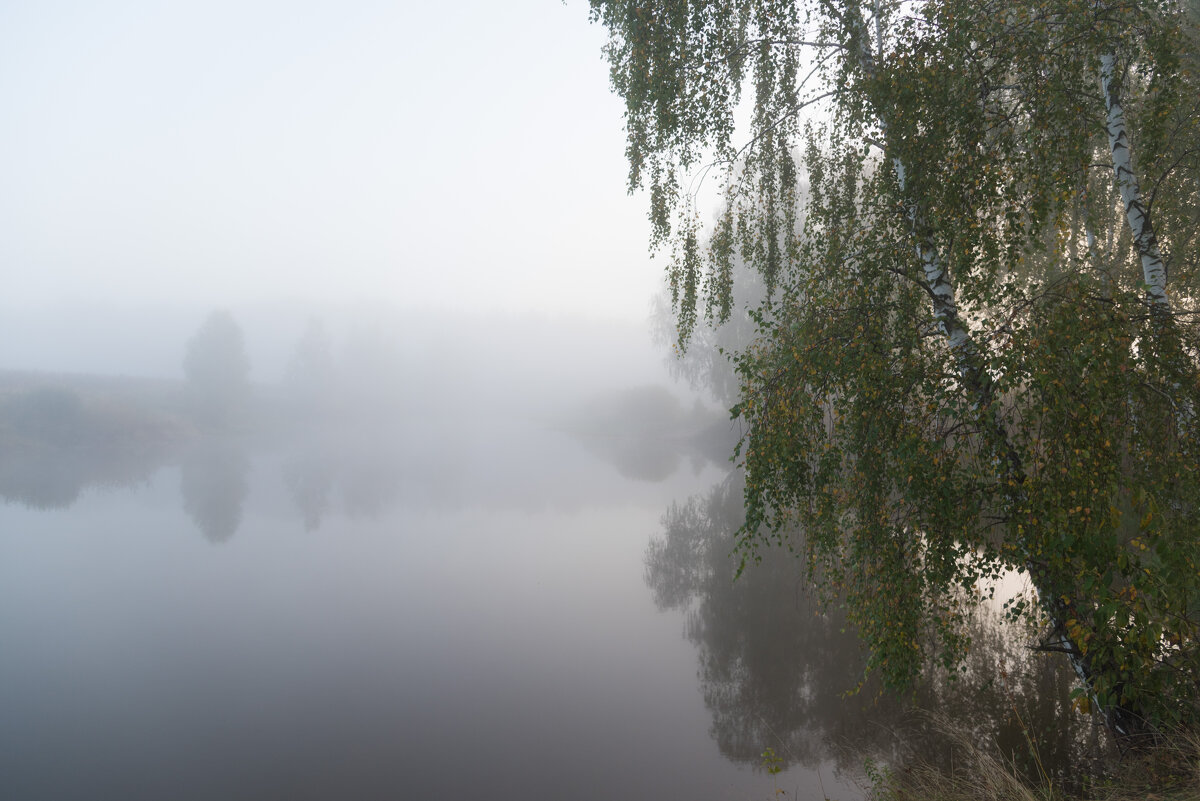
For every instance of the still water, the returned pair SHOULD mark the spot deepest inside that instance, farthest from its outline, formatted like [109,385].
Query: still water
[497,610]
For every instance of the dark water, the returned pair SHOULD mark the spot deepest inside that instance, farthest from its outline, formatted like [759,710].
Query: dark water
[492,610]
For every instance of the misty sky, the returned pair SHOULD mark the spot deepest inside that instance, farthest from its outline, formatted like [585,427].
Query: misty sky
[464,156]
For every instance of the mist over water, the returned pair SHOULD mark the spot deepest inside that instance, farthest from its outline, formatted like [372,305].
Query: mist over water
[404,560]
[336,456]
[418,557]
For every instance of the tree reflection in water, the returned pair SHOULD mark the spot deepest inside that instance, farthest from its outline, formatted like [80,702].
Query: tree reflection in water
[779,669]
[366,469]
[308,476]
[214,485]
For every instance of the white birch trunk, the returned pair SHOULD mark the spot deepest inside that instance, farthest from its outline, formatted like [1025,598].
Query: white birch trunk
[945,309]
[937,278]
[1154,271]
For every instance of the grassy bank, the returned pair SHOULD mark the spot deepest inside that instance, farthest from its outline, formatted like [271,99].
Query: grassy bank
[1169,771]
[62,434]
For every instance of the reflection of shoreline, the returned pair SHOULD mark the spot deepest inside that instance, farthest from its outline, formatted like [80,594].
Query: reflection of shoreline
[647,433]
[496,463]
[775,665]
[328,464]
[55,443]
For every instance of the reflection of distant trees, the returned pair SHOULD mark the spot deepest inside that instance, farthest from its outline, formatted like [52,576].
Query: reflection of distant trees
[214,485]
[309,478]
[367,468]
[646,432]
[775,665]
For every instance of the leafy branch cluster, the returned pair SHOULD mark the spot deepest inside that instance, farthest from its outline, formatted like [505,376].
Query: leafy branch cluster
[978,353]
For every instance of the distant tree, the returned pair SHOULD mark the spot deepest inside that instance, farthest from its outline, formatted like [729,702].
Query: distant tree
[217,369]
[310,377]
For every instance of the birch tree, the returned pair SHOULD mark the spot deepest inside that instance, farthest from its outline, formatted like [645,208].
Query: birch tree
[979,352]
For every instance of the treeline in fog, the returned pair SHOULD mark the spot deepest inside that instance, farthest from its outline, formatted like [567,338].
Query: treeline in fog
[358,416]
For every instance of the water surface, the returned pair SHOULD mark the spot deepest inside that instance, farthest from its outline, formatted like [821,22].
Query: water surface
[493,608]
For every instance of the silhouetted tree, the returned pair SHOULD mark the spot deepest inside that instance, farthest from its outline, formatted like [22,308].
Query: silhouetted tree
[217,369]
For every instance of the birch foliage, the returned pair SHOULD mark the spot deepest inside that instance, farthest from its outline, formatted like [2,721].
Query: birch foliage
[977,223]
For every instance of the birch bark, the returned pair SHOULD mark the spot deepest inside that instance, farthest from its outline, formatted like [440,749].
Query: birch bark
[1137,216]
[937,278]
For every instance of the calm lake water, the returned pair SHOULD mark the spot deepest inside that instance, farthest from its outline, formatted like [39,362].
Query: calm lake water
[492,610]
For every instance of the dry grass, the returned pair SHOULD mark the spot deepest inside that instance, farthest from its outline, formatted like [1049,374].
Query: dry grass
[979,776]
[1168,772]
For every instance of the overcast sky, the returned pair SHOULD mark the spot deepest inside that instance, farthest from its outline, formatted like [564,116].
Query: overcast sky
[464,155]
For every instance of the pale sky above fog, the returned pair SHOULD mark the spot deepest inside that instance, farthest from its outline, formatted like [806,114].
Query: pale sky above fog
[464,155]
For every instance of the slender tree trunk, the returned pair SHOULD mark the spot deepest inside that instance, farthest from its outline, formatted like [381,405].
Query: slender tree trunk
[1137,215]
[937,278]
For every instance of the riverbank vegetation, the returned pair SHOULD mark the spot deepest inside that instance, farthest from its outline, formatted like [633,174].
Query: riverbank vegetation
[1169,772]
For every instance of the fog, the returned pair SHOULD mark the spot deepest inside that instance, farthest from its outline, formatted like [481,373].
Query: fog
[163,155]
[323,335]
[339,456]
[290,554]
[442,198]
[391,396]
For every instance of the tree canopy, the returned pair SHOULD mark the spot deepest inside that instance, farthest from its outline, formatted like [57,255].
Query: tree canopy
[978,225]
